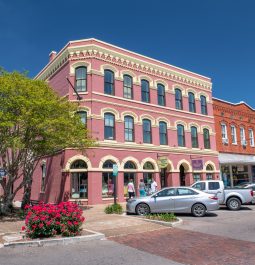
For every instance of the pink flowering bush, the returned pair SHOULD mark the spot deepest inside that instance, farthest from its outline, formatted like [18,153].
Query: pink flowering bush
[47,220]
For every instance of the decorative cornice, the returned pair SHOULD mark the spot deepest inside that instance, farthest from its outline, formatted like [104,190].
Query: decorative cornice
[89,51]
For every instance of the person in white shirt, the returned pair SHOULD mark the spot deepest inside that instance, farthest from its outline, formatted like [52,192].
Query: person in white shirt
[131,189]
[154,185]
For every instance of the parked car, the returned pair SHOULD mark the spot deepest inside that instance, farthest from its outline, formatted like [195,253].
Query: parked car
[174,200]
[249,186]
[232,198]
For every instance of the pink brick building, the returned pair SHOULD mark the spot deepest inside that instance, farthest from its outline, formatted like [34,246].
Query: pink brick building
[141,111]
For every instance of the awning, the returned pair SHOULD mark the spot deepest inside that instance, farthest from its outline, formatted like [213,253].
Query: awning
[236,159]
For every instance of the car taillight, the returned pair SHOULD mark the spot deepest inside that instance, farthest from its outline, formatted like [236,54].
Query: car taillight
[213,198]
[252,193]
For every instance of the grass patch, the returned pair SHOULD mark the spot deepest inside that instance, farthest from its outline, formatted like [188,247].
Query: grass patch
[166,217]
[114,208]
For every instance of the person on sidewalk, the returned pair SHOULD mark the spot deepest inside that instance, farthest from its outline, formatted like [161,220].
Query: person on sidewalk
[131,189]
[142,188]
[154,185]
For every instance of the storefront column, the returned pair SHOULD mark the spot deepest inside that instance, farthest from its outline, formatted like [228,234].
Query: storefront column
[120,187]
[94,187]
[157,178]
[174,179]
[203,176]
[188,178]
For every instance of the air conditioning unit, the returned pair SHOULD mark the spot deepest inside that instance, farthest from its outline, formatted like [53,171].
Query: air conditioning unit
[244,142]
[225,141]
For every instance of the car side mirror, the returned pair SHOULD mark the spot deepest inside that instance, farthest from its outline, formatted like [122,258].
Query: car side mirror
[155,196]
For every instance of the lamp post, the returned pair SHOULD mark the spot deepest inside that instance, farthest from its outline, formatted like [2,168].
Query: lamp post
[115,174]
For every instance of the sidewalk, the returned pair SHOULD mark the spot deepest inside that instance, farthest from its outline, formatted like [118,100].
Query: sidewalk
[96,220]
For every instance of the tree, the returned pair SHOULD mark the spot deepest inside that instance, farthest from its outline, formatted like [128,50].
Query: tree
[34,122]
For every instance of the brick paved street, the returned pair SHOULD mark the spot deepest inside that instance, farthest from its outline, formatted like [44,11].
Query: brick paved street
[192,248]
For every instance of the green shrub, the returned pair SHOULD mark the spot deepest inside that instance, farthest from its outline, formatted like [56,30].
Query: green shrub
[166,217]
[114,208]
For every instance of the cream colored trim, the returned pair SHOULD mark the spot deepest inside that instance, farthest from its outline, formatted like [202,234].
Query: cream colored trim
[74,65]
[149,117]
[203,94]
[207,127]
[128,72]
[162,82]
[145,77]
[192,91]
[195,125]
[132,159]
[104,67]
[129,113]
[182,123]
[187,166]
[158,120]
[177,86]
[85,108]
[108,157]
[74,158]
[154,163]
[110,110]
[209,162]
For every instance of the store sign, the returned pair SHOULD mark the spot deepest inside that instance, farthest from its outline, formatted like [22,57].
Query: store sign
[115,170]
[197,164]
[162,162]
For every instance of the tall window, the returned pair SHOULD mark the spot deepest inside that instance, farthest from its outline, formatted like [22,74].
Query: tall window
[129,128]
[83,116]
[163,133]
[108,82]
[251,137]
[161,95]
[181,135]
[147,131]
[81,79]
[107,180]
[233,134]
[203,105]
[129,174]
[128,87]
[43,177]
[207,144]
[145,91]
[194,139]
[224,134]
[178,99]
[192,102]
[109,126]
[242,134]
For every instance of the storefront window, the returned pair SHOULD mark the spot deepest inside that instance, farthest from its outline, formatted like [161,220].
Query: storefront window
[79,185]
[240,174]
[147,176]
[128,176]
[196,177]
[108,180]
[225,171]
[209,175]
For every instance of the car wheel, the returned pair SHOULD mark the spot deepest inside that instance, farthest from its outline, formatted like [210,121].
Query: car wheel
[142,209]
[198,210]
[234,204]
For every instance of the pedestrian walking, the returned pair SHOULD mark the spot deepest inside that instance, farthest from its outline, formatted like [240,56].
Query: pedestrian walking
[154,185]
[142,188]
[131,189]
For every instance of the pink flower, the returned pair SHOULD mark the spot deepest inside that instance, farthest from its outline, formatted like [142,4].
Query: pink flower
[23,228]
[41,225]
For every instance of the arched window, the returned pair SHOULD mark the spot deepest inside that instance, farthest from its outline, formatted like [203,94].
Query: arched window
[161,95]
[79,180]
[148,165]
[194,139]
[178,99]
[79,164]
[148,176]
[181,135]
[203,105]
[192,102]
[129,165]
[109,82]
[129,128]
[128,87]
[209,175]
[147,131]
[109,126]
[145,91]
[128,175]
[83,116]
[108,180]
[209,167]
[163,133]
[81,79]
[207,144]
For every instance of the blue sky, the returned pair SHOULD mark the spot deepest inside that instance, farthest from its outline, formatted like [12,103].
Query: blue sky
[215,38]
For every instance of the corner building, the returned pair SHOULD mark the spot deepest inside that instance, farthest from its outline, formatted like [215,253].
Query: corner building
[141,111]
[235,125]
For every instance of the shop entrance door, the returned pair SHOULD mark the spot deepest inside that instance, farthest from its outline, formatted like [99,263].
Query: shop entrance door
[182,176]
[163,181]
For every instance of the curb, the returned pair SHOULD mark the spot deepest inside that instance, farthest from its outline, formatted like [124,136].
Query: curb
[57,241]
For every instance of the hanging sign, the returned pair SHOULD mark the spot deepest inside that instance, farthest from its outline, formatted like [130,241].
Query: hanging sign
[115,170]
[162,162]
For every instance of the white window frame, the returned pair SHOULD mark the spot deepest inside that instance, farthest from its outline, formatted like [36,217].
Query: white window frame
[224,133]
[233,134]
[242,134]
[251,137]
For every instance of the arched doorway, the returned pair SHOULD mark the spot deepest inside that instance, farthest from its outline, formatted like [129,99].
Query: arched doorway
[129,173]
[182,175]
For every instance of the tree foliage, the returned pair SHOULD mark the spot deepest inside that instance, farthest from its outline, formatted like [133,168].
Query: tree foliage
[34,122]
